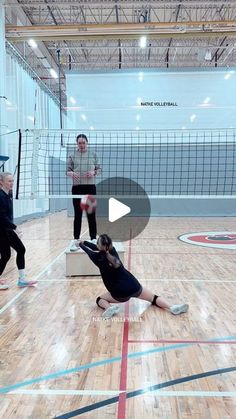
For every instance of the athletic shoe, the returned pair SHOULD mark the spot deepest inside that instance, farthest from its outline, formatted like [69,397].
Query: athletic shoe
[179,308]
[94,241]
[22,283]
[73,247]
[3,286]
[110,311]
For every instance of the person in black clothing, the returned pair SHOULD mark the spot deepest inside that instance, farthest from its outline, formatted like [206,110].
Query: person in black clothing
[119,282]
[9,233]
[82,167]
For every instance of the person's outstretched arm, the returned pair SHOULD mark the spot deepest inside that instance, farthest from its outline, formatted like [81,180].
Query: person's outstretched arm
[90,245]
[94,256]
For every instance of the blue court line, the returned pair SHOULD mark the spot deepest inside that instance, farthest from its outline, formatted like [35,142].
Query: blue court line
[87,366]
[142,391]
[100,363]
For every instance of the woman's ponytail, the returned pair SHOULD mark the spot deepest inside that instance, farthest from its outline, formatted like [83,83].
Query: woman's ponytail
[106,243]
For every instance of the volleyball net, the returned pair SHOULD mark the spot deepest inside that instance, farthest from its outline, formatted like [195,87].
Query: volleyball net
[179,163]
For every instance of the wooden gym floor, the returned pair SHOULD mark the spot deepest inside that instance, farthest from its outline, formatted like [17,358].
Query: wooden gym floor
[59,359]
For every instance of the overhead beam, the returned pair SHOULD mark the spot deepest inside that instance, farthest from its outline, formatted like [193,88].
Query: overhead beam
[189,35]
[83,31]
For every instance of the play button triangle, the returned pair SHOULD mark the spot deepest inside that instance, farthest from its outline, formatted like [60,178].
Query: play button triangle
[117,210]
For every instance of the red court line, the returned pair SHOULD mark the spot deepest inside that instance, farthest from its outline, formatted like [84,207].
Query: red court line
[210,342]
[124,362]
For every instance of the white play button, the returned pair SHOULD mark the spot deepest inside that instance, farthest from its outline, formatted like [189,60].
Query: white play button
[117,210]
[124,201]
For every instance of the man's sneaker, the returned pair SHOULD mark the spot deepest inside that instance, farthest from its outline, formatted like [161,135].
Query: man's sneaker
[73,247]
[110,311]
[179,308]
[3,286]
[22,283]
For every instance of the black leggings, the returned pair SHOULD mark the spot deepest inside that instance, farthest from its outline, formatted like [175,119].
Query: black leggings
[7,240]
[83,190]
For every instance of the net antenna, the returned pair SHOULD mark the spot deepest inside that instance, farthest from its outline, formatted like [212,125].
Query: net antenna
[60,92]
[34,165]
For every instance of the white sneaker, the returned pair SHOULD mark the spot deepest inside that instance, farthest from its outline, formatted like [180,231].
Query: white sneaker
[179,308]
[73,247]
[94,241]
[110,311]
[3,286]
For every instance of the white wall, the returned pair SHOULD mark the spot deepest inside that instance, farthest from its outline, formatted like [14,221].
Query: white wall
[114,100]
[27,107]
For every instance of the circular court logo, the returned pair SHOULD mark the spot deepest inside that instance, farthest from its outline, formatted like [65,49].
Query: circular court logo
[218,239]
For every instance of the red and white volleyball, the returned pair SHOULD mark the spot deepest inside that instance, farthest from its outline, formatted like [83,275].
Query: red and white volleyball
[88,203]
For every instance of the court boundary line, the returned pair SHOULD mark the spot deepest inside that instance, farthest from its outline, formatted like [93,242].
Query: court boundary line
[165,393]
[187,253]
[7,305]
[89,279]
[197,342]
[58,392]
[189,280]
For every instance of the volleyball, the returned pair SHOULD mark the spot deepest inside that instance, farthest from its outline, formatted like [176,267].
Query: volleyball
[88,203]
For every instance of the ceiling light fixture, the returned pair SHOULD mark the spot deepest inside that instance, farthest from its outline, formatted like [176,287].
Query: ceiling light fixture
[53,73]
[32,43]
[208,55]
[143,42]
